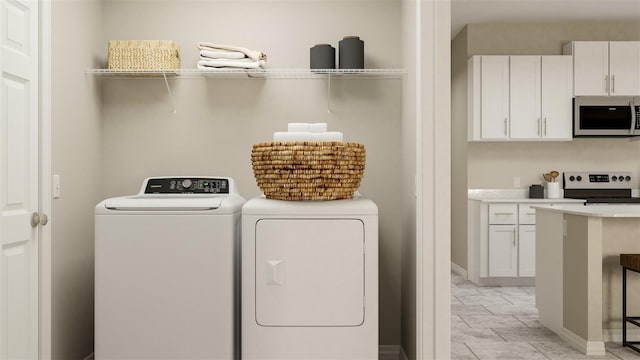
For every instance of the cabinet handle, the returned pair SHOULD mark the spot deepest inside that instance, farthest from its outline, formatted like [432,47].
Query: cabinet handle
[505,126]
[533,213]
[538,126]
[606,84]
[544,128]
[613,84]
[504,213]
[514,237]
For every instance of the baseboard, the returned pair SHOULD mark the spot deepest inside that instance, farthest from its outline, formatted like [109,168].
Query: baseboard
[390,352]
[582,345]
[90,356]
[615,335]
[459,270]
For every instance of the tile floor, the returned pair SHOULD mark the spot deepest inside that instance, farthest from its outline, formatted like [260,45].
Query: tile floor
[502,323]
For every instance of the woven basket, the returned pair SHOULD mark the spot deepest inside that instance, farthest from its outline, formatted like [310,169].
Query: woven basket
[308,170]
[143,55]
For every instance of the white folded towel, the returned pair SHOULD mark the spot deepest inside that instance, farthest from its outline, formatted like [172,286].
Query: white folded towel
[230,63]
[307,127]
[222,54]
[307,136]
[252,54]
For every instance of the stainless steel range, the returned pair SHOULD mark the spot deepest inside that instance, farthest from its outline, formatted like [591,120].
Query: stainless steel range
[600,187]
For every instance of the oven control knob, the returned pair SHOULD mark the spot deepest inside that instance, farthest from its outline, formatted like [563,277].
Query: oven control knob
[579,178]
[621,178]
[572,178]
[628,178]
[615,178]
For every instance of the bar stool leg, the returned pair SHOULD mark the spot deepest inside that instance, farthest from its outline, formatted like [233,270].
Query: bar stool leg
[624,306]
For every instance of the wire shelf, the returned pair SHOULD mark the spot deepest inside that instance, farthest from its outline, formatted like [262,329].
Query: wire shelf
[254,73]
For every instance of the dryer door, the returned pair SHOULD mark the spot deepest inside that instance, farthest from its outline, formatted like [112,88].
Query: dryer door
[310,272]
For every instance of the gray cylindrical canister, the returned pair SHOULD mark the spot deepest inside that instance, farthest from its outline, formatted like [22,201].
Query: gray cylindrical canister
[323,56]
[351,53]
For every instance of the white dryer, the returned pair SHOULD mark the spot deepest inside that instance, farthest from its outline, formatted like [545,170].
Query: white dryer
[309,279]
[167,271]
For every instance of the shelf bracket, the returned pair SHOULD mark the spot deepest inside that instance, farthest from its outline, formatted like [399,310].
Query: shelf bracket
[329,94]
[166,83]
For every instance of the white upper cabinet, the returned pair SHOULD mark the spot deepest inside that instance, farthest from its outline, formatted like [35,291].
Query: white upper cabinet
[556,106]
[520,98]
[604,68]
[494,95]
[525,97]
[624,67]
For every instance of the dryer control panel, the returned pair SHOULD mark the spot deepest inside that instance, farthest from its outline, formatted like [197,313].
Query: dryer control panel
[187,185]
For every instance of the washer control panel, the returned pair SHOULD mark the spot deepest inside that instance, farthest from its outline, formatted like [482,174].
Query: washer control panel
[599,180]
[187,185]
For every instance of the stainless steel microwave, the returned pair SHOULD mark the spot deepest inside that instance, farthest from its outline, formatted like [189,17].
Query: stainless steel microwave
[606,116]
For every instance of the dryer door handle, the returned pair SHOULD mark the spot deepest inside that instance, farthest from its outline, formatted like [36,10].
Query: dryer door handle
[275,272]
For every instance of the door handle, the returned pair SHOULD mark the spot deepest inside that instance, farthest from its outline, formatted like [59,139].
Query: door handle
[39,219]
[613,84]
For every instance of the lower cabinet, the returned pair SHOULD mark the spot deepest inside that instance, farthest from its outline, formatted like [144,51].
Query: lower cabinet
[503,250]
[527,250]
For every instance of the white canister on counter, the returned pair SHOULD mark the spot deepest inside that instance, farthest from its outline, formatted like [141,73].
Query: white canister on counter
[553,190]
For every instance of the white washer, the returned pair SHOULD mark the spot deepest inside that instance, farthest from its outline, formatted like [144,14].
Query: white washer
[309,279]
[166,274]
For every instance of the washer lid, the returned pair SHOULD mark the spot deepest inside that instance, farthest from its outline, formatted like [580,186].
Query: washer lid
[164,203]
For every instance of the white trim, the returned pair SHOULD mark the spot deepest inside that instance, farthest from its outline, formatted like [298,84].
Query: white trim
[615,335]
[89,357]
[385,352]
[420,337]
[45,179]
[458,270]
[582,345]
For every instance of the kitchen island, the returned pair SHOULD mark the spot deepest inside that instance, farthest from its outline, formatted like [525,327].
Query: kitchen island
[579,278]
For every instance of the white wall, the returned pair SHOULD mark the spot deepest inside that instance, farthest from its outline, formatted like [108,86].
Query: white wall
[217,121]
[76,155]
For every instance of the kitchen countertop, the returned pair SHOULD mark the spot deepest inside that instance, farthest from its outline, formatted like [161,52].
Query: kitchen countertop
[512,196]
[599,210]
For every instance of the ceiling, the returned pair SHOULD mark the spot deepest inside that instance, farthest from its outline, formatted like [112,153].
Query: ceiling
[481,11]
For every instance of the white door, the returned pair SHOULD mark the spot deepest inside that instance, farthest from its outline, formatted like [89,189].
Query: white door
[524,87]
[527,250]
[310,272]
[624,63]
[494,92]
[591,68]
[557,90]
[18,179]
[503,255]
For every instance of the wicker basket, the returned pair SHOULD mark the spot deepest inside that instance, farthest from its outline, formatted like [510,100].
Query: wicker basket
[143,55]
[308,170]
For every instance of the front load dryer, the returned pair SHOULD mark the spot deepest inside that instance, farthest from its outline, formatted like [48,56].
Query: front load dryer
[309,279]
[167,271]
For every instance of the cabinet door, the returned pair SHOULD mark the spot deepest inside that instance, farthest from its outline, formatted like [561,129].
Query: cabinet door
[591,67]
[503,255]
[524,86]
[557,90]
[527,250]
[624,67]
[494,90]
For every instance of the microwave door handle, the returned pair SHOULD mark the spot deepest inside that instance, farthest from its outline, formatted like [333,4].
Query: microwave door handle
[632,130]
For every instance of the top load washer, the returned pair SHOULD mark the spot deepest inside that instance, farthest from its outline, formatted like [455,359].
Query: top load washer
[310,279]
[167,271]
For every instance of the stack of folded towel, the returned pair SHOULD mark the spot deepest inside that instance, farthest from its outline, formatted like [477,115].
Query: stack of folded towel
[307,132]
[215,56]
